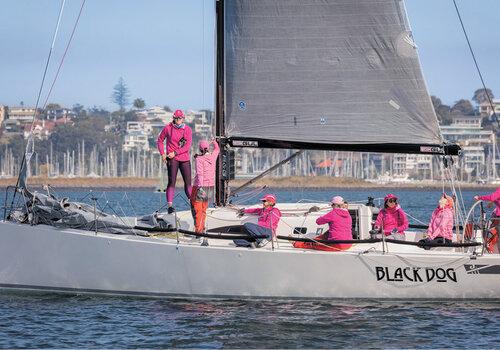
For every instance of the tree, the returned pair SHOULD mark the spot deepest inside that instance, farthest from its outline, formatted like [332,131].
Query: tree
[167,109]
[463,107]
[52,106]
[120,94]
[442,111]
[481,96]
[139,103]
[79,110]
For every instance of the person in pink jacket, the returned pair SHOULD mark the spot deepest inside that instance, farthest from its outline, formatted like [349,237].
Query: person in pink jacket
[339,223]
[492,197]
[391,219]
[493,243]
[269,218]
[176,155]
[204,182]
[441,224]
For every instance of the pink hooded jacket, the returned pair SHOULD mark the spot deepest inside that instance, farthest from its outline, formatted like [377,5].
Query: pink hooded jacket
[173,135]
[495,198]
[205,167]
[390,219]
[441,224]
[339,222]
[268,217]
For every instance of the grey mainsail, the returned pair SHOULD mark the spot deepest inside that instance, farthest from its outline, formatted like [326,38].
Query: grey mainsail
[324,72]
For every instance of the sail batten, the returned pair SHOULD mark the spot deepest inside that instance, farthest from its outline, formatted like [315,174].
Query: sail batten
[324,72]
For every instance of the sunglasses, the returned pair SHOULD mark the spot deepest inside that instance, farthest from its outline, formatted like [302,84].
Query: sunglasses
[392,200]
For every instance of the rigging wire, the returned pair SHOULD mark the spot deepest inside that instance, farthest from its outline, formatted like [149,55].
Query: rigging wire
[48,61]
[475,62]
[65,52]
[30,143]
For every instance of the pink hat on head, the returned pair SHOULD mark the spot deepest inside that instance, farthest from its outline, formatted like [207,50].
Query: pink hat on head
[337,200]
[270,198]
[390,196]
[178,114]
[204,145]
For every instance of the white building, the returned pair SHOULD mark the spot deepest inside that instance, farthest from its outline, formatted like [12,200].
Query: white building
[485,108]
[202,123]
[141,134]
[137,139]
[22,114]
[155,113]
[478,145]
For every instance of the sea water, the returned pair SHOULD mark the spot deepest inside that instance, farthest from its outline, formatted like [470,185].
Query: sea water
[34,320]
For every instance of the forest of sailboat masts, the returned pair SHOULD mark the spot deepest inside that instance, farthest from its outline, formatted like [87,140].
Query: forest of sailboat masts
[250,162]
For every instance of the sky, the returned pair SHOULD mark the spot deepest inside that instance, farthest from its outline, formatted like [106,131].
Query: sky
[164,50]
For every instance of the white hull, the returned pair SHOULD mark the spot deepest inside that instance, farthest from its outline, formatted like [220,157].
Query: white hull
[42,257]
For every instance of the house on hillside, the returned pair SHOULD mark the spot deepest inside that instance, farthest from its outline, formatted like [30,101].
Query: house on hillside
[485,108]
[41,129]
[154,113]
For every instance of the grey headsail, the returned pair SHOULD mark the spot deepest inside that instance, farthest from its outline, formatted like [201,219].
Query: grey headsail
[324,72]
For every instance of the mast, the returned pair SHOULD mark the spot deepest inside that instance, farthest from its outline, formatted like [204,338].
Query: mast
[221,185]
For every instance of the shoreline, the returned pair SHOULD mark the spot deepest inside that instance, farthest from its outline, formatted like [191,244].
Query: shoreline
[274,182]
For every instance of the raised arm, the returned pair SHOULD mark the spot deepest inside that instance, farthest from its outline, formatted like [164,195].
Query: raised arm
[216,151]
[491,197]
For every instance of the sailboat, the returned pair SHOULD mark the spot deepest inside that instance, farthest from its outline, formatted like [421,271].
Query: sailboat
[293,74]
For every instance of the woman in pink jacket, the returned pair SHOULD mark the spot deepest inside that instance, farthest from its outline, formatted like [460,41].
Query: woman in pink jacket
[339,223]
[493,243]
[204,182]
[492,197]
[179,138]
[392,220]
[441,224]
[269,218]
[339,228]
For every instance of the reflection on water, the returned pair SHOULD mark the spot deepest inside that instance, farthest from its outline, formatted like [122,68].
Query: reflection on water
[49,320]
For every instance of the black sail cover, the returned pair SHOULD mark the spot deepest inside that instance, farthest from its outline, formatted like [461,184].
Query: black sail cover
[342,72]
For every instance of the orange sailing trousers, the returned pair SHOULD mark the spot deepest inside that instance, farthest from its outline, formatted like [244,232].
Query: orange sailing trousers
[199,205]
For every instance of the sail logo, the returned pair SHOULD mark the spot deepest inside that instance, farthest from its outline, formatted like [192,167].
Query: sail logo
[242,105]
[431,149]
[415,274]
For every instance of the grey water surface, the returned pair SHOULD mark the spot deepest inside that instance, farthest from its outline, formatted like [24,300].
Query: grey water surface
[34,320]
